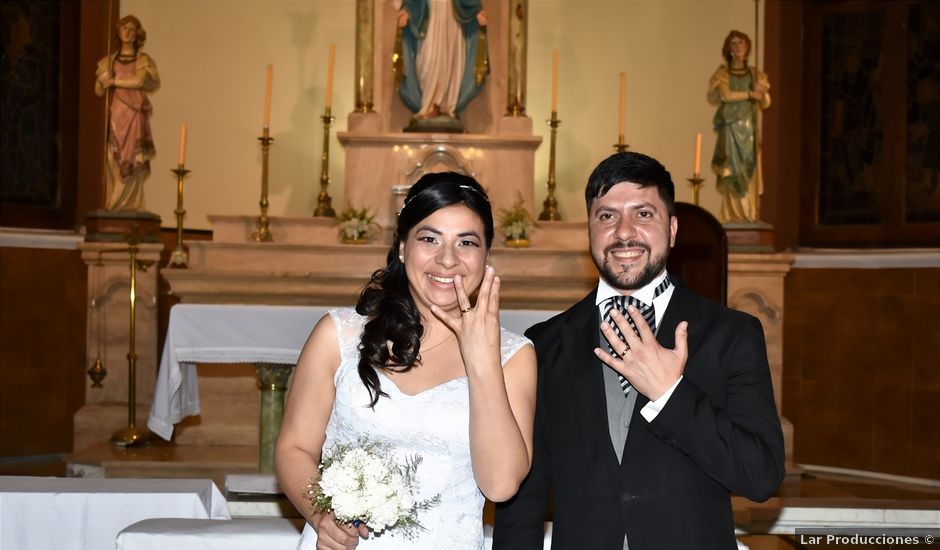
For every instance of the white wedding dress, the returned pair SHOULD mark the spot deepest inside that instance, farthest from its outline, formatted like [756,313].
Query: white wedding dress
[434,424]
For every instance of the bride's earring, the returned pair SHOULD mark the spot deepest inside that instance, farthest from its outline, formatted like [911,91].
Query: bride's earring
[401,258]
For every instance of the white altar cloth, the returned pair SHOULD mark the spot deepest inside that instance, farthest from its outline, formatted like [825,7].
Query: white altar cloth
[200,333]
[209,333]
[57,513]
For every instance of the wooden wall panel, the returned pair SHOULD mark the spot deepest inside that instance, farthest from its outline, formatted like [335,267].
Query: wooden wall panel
[42,349]
[862,374]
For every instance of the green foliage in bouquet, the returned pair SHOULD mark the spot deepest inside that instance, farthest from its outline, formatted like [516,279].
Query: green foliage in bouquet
[516,222]
[356,224]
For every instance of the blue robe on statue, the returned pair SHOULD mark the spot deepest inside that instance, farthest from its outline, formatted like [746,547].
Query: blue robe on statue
[465,12]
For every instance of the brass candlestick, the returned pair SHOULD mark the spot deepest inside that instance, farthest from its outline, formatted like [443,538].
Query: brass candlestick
[696,182]
[620,146]
[263,234]
[131,435]
[180,256]
[324,202]
[550,206]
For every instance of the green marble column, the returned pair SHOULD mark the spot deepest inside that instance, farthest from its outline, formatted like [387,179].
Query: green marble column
[272,381]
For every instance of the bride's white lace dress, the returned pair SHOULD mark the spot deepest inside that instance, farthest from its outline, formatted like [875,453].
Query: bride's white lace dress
[433,424]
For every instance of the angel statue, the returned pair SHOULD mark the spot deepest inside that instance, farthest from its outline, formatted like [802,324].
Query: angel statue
[739,91]
[127,76]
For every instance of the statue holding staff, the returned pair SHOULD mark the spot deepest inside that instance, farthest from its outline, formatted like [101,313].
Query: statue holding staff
[739,91]
[127,76]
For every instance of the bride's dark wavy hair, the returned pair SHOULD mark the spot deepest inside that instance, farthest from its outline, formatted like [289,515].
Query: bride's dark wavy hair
[386,299]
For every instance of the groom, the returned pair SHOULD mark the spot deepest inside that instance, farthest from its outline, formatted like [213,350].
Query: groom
[641,439]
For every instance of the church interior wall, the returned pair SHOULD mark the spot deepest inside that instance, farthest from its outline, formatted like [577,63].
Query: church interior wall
[212,56]
[214,82]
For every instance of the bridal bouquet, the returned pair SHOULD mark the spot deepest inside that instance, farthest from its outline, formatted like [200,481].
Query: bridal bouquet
[361,483]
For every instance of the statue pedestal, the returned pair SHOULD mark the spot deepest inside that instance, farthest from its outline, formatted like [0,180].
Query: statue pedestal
[750,238]
[756,286]
[515,126]
[115,225]
[108,332]
[376,162]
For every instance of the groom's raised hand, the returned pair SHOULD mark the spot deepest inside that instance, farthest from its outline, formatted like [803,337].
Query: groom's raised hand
[649,367]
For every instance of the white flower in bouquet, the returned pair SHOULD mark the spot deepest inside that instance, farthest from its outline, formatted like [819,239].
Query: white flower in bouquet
[362,483]
[356,223]
[516,230]
[516,222]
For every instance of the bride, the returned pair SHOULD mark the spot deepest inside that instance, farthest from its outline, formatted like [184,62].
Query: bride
[417,364]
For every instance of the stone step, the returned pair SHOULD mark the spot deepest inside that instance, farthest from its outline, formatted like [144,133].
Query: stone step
[160,459]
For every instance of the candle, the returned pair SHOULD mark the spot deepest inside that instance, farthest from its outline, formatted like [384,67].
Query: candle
[182,155]
[329,76]
[268,77]
[623,103]
[697,170]
[555,80]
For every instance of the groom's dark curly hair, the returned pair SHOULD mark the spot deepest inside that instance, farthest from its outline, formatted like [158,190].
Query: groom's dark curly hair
[386,299]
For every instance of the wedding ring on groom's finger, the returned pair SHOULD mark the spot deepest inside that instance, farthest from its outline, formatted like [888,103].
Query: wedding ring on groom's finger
[462,311]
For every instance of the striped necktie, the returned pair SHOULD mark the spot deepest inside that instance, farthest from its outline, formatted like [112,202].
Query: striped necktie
[646,310]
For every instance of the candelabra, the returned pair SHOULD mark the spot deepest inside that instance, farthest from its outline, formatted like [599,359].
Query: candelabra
[324,202]
[263,233]
[696,182]
[180,256]
[550,206]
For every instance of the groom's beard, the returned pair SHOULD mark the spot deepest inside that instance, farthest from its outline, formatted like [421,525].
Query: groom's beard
[624,280]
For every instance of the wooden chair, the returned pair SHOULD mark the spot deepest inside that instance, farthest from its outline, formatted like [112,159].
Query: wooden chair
[700,256]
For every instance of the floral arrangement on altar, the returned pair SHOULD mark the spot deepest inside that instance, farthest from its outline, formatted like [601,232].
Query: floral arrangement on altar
[362,484]
[516,223]
[356,225]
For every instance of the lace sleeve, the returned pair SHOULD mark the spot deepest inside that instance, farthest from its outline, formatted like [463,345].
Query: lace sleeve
[509,344]
[348,331]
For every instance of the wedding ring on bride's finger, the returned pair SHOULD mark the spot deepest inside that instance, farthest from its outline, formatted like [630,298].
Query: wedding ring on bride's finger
[462,311]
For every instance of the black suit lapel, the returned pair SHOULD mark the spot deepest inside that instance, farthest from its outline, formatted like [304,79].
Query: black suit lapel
[587,379]
[682,307]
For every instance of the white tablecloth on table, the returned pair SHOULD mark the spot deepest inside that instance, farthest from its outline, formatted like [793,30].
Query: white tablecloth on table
[206,333]
[57,513]
[200,333]
[207,534]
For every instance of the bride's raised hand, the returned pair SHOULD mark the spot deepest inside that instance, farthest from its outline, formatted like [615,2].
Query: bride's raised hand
[477,328]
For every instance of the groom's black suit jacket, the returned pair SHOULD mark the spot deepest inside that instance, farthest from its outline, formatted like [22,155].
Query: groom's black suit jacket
[718,434]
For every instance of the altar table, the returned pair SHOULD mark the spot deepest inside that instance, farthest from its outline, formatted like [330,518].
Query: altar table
[57,513]
[209,333]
